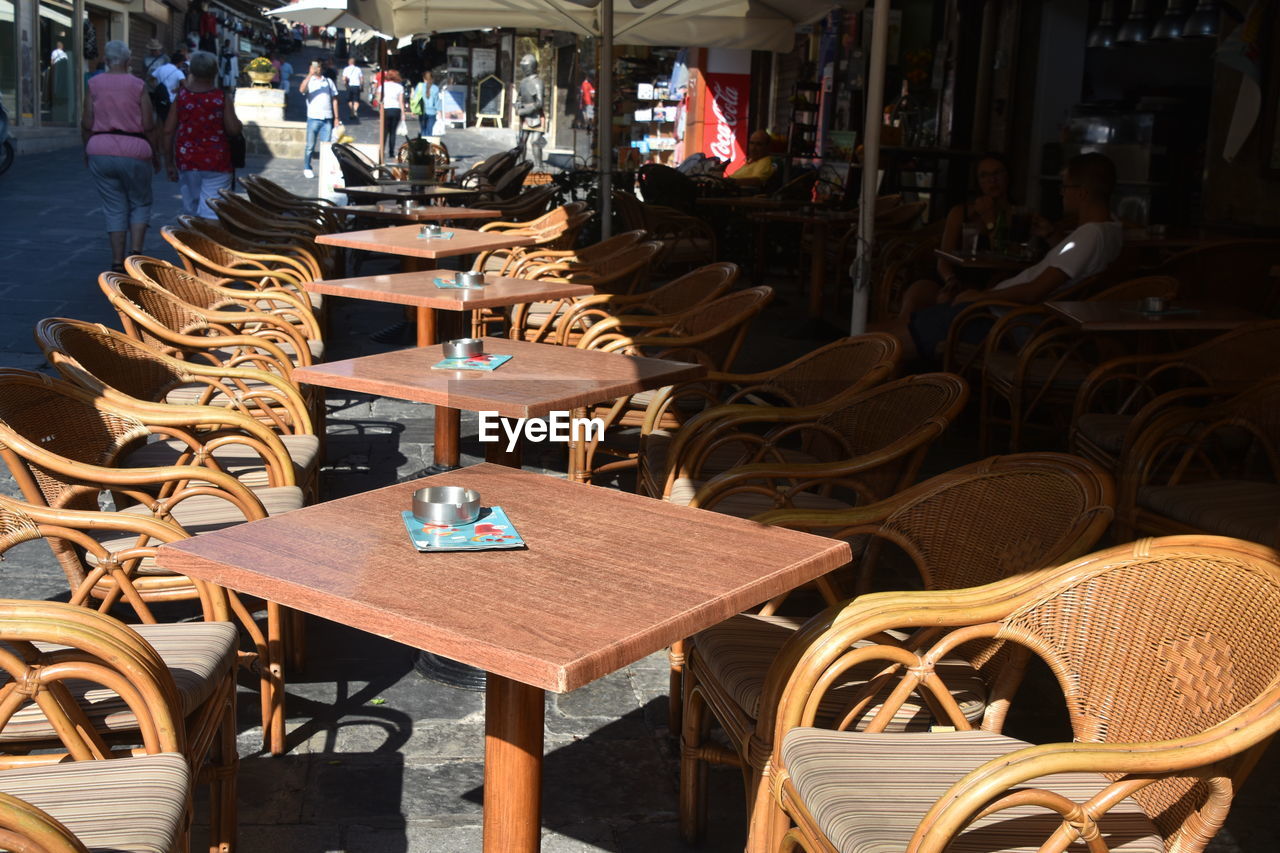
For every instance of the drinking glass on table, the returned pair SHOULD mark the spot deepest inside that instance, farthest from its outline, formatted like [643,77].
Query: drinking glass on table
[969,240]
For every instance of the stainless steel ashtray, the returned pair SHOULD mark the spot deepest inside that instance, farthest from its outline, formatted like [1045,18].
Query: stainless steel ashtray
[471,279]
[446,505]
[463,348]
[432,230]
[1154,304]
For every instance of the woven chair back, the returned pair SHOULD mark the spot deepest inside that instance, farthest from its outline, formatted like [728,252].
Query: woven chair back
[605,248]
[832,369]
[621,272]
[200,253]
[180,283]
[54,416]
[1158,641]
[630,209]
[94,356]
[691,289]
[355,171]
[509,184]
[16,526]
[720,326]
[149,313]
[1237,272]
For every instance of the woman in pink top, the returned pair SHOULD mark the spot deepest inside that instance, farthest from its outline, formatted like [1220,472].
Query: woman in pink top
[119,146]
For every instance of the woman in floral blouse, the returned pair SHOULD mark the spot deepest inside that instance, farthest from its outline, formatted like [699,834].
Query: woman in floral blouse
[195,132]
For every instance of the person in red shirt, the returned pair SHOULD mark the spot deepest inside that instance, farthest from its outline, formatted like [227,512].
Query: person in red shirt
[588,100]
[197,151]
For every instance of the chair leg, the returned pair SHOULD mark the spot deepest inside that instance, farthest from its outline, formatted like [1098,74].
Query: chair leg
[675,694]
[273,681]
[296,639]
[693,770]
[767,824]
[223,818]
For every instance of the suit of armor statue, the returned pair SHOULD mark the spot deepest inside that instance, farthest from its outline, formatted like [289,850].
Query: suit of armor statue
[530,111]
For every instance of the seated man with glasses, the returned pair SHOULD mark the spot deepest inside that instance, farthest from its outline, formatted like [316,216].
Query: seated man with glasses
[1096,241]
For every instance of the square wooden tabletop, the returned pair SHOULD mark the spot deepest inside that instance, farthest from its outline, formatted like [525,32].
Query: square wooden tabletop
[419,289]
[420,213]
[406,240]
[607,577]
[1127,316]
[539,378]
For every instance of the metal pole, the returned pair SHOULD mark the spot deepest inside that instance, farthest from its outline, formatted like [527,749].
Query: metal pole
[870,168]
[382,99]
[604,118]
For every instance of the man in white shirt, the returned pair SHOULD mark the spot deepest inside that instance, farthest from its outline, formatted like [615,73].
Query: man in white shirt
[58,54]
[170,75]
[322,112]
[353,77]
[1087,183]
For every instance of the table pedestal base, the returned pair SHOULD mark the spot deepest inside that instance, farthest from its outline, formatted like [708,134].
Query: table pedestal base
[514,716]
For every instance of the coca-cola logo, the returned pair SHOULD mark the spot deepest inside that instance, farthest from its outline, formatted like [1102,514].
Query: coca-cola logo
[724,106]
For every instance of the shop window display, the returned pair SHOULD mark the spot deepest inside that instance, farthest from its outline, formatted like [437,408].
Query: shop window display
[59,60]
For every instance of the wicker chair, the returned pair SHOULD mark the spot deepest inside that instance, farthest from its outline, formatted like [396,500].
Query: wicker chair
[57,657]
[311,267]
[282,304]
[592,254]
[974,525]
[1167,723]
[557,229]
[710,334]
[621,273]
[65,449]
[1207,469]
[273,197]
[1120,398]
[359,171]
[689,240]
[110,364]
[530,204]
[203,254]
[637,311]
[152,315]
[233,441]
[250,214]
[1035,363]
[867,449]
[820,380]
[199,657]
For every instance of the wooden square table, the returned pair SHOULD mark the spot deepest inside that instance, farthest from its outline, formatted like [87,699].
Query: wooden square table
[539,379]
[403,240]
[1125,316]
[607,578]
[404,190]
[418,289]
[421,213]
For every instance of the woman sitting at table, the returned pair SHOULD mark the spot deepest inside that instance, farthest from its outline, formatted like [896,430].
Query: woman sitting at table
[983,213]
[1087,182]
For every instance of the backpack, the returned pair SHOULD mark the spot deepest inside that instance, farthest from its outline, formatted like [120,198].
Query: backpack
[160,101]
[415,101]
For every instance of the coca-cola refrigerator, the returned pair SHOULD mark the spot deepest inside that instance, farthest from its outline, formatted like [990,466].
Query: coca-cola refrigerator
[715,109]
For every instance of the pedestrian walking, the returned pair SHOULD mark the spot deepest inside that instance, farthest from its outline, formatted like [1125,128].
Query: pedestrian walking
[197,151]
[426,103]
[353,76]
[393,110]
[286,74]
[322,112]
[118,129]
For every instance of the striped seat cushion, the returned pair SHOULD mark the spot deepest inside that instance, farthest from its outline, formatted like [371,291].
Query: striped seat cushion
[197,654]
[202,514]
[129,805]
[738,652]
[237,460]
[316,348]
[869,792]
[1244,509]
[186,395]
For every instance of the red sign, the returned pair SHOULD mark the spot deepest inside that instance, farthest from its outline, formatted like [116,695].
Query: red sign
[725,117]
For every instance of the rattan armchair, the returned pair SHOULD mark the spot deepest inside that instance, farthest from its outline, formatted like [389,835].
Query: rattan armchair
[272,197]
[556,229]
[974,525]
[227,247]
[710,334]
[1034,363]
[57,657]
[530,204]
[820,380]
[636,311]
[1167,723]
[813,457]
[150,314]
[65,452]
[1119,398]
[108,363]
[621,272]
[689,240]
[1207,469]
[200,657]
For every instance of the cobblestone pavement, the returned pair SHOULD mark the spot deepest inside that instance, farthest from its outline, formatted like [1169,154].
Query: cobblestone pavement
[380,758]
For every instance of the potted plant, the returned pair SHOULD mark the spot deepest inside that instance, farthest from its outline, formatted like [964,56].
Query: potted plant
[260,71]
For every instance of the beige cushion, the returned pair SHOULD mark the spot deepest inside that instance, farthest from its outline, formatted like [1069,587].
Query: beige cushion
[197,654]
[869,792]
[202,514]
[186,395]
[238,460]
[129,804]
[738,651]
[1244,509]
